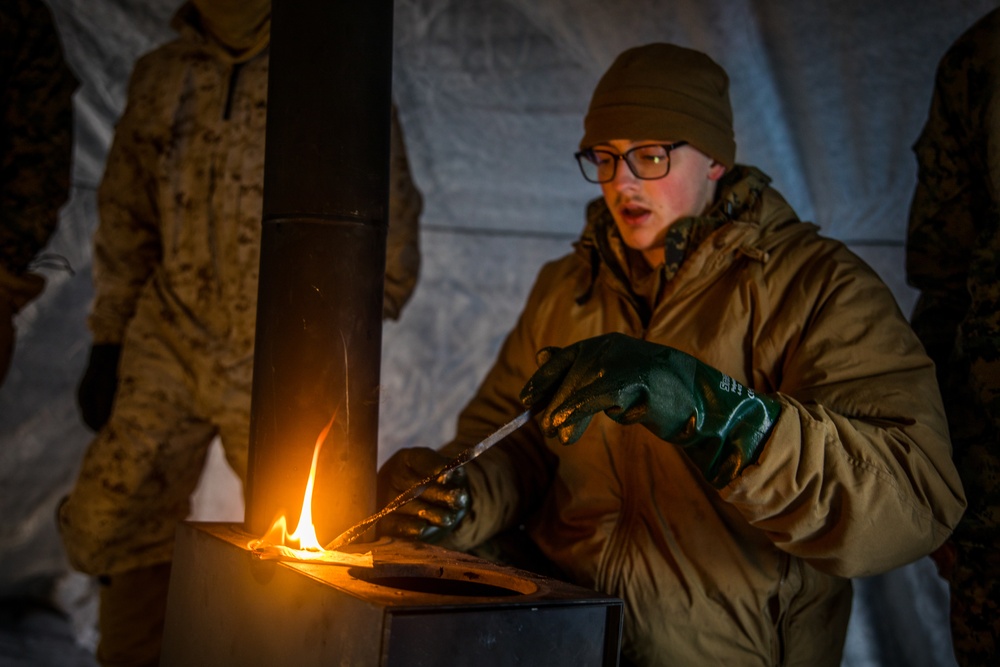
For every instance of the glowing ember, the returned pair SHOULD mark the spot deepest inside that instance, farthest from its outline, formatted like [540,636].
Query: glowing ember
[302,544]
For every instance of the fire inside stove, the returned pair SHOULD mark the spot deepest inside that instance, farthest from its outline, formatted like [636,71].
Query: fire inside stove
[283,598]
[303,544]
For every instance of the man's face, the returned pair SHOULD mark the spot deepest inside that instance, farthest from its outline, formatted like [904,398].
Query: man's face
[644,210]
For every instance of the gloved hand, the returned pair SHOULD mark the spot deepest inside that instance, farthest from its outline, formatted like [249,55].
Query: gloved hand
[434,513]
[721,424]
[97,389]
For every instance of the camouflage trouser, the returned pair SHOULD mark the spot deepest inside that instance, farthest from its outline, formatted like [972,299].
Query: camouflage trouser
[975,605]
[138,474]
[133,613]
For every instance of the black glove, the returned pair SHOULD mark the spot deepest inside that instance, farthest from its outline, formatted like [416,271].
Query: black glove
[96,392]
[721,424]
[434,513]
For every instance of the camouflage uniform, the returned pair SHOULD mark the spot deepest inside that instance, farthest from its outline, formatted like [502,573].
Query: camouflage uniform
[176,258]
[35,149]
[953,258]
[175,275]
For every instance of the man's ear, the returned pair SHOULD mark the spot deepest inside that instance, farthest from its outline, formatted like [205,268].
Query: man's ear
[716,170]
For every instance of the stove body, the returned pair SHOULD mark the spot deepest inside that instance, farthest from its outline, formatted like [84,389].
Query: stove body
[418,606]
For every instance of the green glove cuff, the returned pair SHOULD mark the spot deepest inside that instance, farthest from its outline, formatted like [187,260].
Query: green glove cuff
[729,426]
[721,424]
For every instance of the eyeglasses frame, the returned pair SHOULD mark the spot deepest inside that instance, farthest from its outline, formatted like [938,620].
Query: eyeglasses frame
[623,157]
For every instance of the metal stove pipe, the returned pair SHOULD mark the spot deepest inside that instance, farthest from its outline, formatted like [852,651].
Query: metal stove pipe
[322,263]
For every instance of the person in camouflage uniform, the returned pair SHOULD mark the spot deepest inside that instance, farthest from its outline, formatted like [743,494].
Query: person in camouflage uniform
[36,143]
[176,260]
[953,258]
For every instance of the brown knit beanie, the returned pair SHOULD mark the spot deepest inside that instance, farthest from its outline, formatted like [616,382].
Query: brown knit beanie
[663,92]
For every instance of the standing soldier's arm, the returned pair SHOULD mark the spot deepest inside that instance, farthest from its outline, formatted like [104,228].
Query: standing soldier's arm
[127,243]
[36,141]
[402,265]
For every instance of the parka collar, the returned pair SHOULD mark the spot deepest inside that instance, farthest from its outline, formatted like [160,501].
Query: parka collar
[739,199]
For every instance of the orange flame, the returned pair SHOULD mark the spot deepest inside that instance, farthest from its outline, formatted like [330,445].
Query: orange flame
[302,543]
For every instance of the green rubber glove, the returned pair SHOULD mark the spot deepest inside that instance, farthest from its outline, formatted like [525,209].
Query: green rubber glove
[721,424]
[434,513]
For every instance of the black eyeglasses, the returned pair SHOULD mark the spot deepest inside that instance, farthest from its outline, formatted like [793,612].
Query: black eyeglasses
[646,162]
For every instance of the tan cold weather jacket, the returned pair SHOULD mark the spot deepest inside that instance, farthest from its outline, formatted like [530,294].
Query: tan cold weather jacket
[855,479]
[181,198]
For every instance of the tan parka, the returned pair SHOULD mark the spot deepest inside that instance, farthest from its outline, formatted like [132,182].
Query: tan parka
[855,479]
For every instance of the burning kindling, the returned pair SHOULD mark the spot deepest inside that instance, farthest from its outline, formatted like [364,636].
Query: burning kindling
[302,544]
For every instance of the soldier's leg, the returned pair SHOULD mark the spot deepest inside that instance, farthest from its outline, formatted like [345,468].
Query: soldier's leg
[975,605]
[133,611]
[228,397]
[133,489]
[230,410]
[975,581]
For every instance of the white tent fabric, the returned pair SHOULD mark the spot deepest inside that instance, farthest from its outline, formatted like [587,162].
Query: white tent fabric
[829,95]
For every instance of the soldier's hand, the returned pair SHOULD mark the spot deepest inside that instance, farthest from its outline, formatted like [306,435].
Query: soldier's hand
[435,512]
[96,392]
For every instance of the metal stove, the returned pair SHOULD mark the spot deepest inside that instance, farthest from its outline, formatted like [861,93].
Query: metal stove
[417,606]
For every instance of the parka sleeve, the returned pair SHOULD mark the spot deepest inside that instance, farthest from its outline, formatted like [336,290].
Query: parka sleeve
[510,480]
[953,240]
[36,139]
[856,477]
[402,260]
[127,243]
[984,318]
[949,198]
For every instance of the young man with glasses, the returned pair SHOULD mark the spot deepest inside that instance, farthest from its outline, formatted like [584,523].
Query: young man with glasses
[793,432]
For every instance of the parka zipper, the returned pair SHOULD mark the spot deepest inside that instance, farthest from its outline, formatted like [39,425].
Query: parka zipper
[215,171]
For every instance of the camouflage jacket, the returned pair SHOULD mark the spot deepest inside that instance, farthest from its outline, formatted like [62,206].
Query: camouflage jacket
[953,255]
[180,202]
[35,140]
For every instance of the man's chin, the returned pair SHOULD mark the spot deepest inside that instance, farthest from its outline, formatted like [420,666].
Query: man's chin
[638,239]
